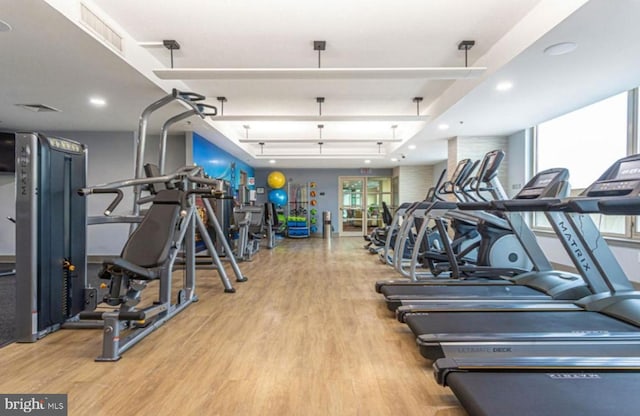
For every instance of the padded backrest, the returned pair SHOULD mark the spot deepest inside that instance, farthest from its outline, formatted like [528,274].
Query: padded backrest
[153,171]
[149,245]
[387,218]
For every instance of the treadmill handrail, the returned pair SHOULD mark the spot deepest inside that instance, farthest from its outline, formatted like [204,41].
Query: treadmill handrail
[620,206]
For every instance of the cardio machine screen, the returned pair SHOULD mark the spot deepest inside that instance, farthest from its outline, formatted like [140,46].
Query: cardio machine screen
[544,180]
[458,171]
[7,153]
[489,165]
[629,170]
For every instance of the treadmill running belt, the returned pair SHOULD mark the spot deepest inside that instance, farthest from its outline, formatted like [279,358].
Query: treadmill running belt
[442,292]
[513,322]
[550,393]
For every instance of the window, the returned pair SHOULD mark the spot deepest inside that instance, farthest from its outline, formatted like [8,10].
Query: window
[586,142]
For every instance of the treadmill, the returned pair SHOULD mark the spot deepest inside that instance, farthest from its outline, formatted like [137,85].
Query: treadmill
[541,285]
[544,386]
[606,321]
[576,249]
[501,385]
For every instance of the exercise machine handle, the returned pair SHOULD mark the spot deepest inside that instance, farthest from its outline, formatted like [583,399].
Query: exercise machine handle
[620,206]
[112,205]
[199,191]
[213,110]
[122,315]
[191,96]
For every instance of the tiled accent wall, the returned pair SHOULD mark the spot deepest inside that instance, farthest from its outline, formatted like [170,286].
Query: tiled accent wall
[415,182]
[475,148]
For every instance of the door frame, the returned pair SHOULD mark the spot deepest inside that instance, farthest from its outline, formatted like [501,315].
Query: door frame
[365,217]
[341,207]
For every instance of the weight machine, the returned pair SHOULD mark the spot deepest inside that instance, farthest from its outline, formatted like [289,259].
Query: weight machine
[151,253]
[51,221]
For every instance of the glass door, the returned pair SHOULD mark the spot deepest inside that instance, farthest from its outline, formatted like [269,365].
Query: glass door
[352,214]
[378,191]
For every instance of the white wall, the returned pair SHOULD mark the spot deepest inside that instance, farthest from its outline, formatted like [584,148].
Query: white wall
[519,165]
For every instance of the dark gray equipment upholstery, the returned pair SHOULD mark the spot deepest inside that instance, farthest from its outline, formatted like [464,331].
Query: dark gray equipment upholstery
[149,245]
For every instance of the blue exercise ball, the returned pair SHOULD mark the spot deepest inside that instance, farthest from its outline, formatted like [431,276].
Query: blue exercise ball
[278,196]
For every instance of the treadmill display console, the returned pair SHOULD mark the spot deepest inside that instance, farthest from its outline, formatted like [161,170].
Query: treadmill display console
[544,180]
[629,170]
[626,181]
[539,185]
[613,188]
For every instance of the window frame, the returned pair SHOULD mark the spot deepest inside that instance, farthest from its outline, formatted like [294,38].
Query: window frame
[632,223]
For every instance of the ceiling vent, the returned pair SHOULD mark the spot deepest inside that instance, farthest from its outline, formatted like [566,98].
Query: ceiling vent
[99,28]
[39,108]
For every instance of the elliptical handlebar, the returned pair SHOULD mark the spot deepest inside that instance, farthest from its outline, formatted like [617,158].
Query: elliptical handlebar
[464,182]
[452,187]
[432,194]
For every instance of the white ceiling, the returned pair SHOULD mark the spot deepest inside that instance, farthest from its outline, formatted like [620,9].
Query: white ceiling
[51,58]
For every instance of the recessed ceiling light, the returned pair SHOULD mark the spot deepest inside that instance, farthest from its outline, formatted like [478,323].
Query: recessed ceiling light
[412,147]
[561,48]
[443,126]
[4,26]
[504,86]
[98,101]
[394,159]
[272,161]
[367,161]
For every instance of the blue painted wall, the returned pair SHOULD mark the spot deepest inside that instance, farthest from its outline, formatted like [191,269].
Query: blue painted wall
[217,163]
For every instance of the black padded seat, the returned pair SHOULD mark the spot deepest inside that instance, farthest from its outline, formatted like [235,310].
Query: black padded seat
[387,218]
[148,247]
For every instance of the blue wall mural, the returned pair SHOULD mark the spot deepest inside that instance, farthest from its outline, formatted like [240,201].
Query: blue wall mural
[219,164]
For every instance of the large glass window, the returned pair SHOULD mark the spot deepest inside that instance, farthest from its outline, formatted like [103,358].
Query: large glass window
[586,142]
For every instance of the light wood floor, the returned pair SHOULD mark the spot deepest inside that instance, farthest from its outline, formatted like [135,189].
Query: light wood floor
[306,335]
